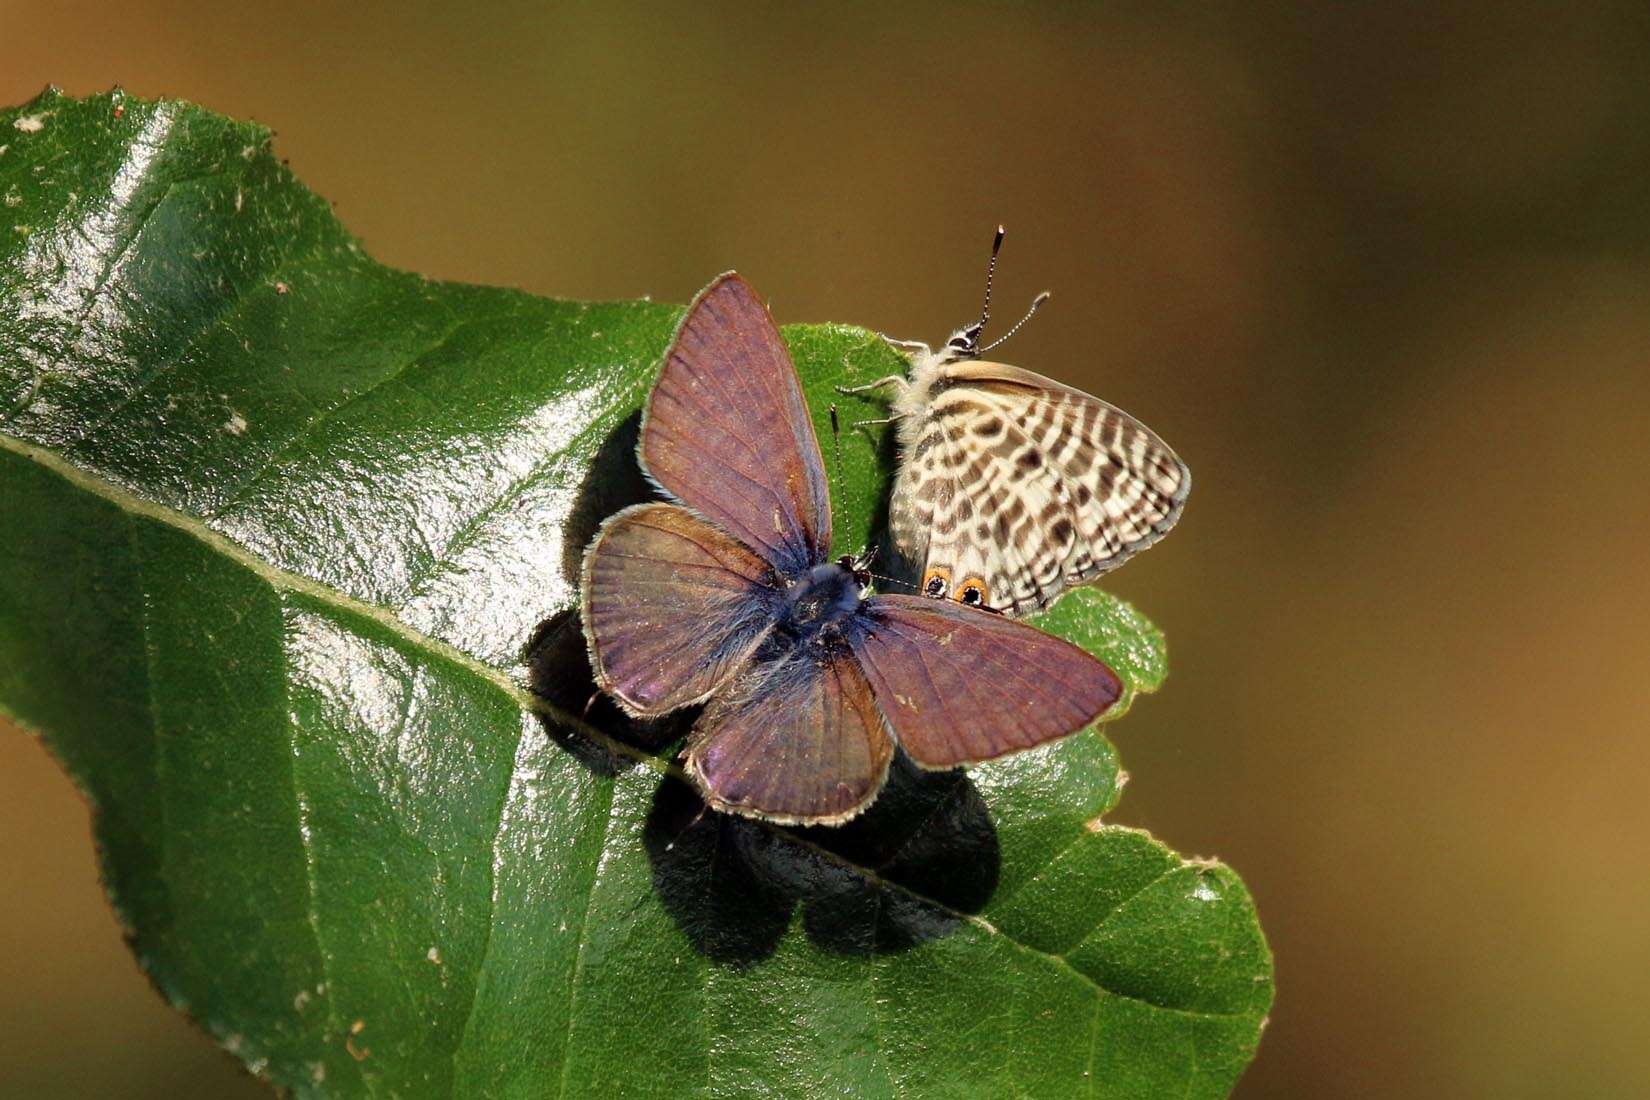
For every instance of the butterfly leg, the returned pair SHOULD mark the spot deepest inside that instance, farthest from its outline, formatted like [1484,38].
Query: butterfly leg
[915,347]
[873,423]
[890,380]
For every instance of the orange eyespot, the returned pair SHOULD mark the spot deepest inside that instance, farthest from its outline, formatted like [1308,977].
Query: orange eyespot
[936,582]
[973,592]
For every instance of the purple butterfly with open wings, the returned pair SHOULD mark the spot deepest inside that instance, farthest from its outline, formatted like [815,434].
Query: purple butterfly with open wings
[729,597]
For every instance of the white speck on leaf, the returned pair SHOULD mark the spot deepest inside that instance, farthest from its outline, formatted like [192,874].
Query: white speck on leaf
[1204,892]
[236,425]
[300,1000]
[31,124]
[434,955]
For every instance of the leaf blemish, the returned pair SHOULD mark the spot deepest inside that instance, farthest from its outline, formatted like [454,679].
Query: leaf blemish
[359,1054]
[1203,891]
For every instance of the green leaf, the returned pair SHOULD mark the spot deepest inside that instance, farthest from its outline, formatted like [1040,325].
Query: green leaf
[288,555]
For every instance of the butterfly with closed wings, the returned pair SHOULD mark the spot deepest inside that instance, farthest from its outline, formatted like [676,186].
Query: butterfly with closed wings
[1013,487]
[727,596]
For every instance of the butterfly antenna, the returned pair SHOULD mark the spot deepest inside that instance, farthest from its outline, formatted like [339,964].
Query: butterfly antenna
[836,450]
[990,271]
[968,339]
[1036,304]
[892,580]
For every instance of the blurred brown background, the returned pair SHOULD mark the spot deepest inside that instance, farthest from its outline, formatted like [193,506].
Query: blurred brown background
[1381,276]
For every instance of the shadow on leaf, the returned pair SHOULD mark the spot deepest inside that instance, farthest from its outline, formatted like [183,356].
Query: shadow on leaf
[897,876]
[557,657]
[559,672]
[615,482]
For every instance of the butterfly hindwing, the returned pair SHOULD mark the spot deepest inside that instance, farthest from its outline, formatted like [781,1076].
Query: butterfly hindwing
[1026,484]
[960,685]
[996,518]
[801,741]
[672,607]
[728,434]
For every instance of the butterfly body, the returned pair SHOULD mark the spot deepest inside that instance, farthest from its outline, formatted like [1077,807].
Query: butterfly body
[819,603]
[727,598]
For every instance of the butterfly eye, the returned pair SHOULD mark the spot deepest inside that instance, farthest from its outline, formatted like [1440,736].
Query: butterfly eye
[973,592]
[935,583]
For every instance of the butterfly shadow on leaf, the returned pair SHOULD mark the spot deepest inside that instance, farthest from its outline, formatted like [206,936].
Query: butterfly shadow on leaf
[615,482]
[557,656]
[559,672]
[909,870]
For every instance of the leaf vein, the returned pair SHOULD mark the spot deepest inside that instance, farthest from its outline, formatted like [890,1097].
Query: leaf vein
[308,430]
[306,844]
[227,307]
[492,900]
[584,938]
[461,539]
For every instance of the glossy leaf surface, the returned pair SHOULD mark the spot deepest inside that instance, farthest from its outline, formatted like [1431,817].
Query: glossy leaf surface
[288,548]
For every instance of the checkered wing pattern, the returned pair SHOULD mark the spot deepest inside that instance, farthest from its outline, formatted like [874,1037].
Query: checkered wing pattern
[1015,487]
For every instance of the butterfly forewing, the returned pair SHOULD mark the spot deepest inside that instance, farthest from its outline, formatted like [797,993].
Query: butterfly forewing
[672,607]
[960,685]
[728,433]
[799,741]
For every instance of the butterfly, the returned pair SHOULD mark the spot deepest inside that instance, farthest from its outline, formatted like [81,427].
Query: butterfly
[1011,486]
[726,595]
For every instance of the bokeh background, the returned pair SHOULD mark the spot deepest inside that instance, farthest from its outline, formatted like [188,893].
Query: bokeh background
[1380,273]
